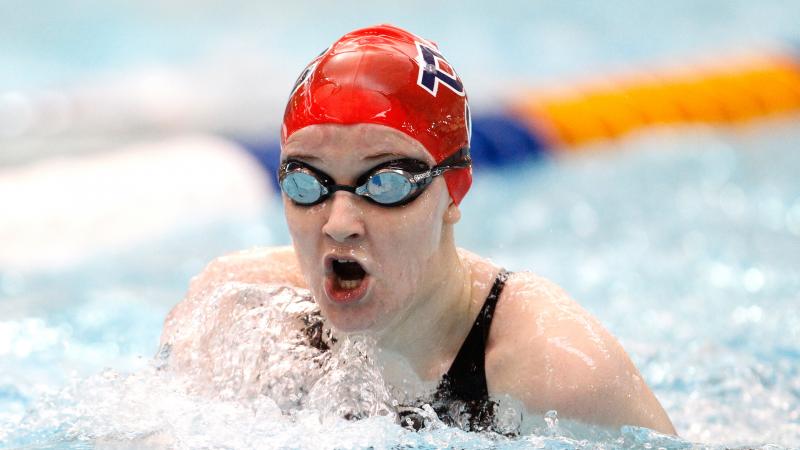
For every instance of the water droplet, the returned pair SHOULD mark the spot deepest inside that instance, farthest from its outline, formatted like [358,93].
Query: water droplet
[551,419]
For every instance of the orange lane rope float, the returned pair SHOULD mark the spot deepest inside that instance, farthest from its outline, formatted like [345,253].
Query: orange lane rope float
[723,93]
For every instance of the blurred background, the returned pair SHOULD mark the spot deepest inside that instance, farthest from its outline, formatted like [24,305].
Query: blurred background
[641,154]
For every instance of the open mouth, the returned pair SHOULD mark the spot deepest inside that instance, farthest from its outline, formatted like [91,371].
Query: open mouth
[346,281]
[349,274]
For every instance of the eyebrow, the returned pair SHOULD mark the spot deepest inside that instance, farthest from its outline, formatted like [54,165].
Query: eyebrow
[303,157]
[384,155]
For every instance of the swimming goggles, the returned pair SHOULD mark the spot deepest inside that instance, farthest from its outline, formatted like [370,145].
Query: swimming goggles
[392,183]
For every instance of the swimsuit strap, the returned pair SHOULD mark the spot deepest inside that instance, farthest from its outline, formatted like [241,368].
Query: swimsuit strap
[466,379]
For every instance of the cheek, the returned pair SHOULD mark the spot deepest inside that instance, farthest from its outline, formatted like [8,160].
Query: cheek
[305,225]
[418,229]
[410,236]
[303,220]
[422,221]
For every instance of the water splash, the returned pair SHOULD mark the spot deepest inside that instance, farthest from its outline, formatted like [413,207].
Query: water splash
[240,341]
[263,387]
[352,385]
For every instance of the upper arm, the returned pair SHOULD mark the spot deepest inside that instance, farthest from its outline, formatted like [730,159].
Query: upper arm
[551,354]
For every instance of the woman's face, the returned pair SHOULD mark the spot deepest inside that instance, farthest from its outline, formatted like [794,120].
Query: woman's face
[397,247]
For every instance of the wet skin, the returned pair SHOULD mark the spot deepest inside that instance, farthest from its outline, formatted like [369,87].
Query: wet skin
[422,293]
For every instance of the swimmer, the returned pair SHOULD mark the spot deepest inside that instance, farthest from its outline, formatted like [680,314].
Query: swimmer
[374,164]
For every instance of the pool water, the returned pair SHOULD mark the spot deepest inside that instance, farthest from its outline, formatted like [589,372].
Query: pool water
[686,245]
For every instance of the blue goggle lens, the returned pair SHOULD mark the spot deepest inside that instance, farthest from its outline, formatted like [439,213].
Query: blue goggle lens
[388,187]
[302,187]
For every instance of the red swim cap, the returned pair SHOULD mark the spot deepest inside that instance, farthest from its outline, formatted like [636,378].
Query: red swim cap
[387,76]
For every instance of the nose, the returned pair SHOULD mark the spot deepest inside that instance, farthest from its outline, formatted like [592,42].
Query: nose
[345,219]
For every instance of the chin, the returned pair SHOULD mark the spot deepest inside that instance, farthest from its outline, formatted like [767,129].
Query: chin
[349,322]
[353,318]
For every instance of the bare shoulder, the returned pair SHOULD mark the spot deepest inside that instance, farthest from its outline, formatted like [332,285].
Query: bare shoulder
[274,265]
[259,266]
[550,353]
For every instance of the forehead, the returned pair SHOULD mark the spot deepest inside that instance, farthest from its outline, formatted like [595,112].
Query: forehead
[353,142]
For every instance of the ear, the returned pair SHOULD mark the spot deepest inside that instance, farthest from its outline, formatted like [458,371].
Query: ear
[452,215]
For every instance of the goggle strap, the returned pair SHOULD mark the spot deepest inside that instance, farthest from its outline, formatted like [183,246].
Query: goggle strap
[458,160]
[459,157]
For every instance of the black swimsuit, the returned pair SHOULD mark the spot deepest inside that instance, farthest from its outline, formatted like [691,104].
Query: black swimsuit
[462,397]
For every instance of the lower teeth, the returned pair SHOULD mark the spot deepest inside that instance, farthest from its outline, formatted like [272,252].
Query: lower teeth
[349,284]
